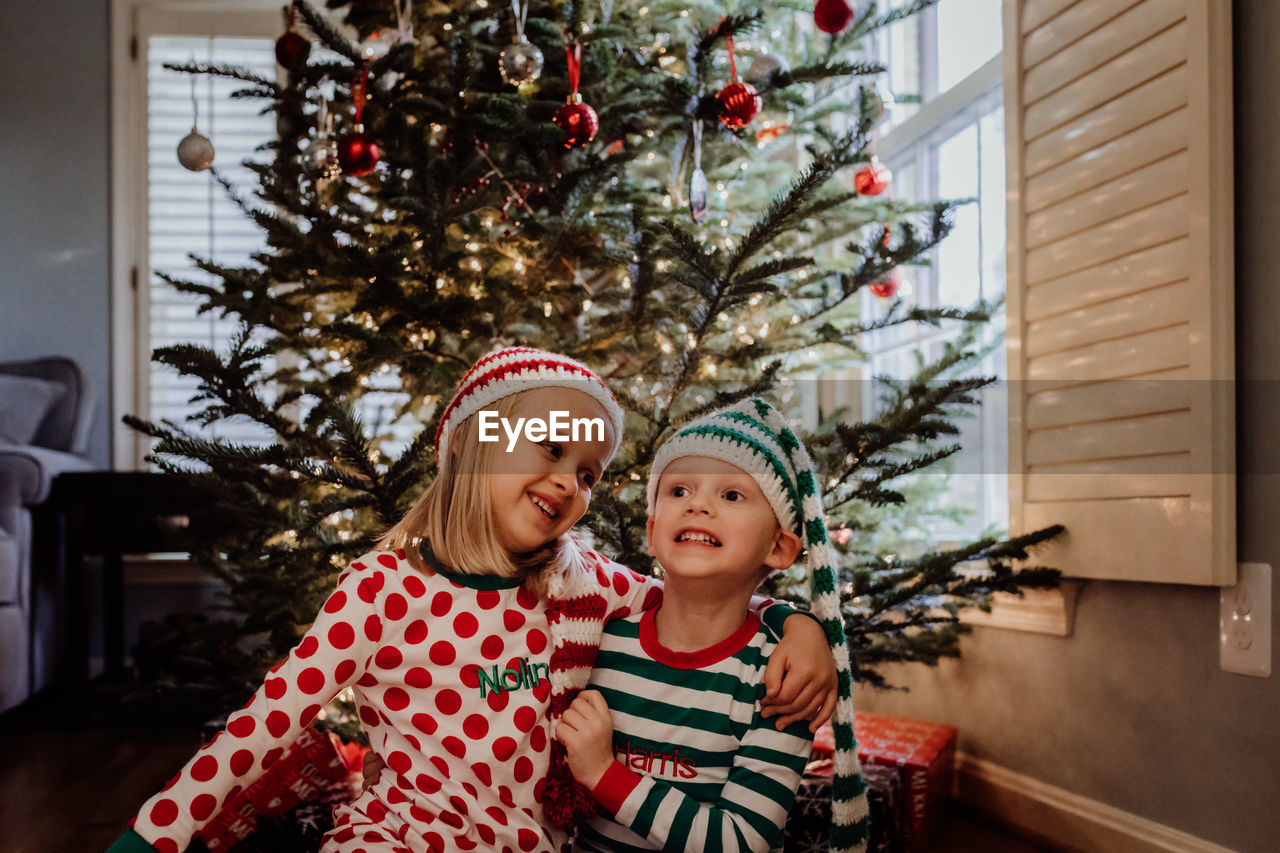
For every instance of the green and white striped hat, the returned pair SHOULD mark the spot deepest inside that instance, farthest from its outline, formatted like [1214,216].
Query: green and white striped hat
[755,437]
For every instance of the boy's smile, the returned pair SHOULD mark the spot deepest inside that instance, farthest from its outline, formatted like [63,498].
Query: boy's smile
[712,521]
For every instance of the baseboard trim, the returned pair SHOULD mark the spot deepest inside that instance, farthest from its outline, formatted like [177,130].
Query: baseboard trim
[1064,820]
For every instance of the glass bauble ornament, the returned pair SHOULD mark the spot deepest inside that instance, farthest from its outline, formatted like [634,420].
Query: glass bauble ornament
[520,62]
[888,285]
[764,65]
[195,152]
[320,158]
[578,121]
[739,103]
[832,16]
[873,178]
[292,50]
[357,153]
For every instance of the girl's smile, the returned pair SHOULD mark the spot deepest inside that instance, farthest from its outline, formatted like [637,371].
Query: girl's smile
[540,489]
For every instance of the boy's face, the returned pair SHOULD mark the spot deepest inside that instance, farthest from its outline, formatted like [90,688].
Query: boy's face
[539,489]
[711,521]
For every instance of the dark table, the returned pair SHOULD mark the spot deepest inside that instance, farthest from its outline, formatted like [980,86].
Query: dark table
[110,514]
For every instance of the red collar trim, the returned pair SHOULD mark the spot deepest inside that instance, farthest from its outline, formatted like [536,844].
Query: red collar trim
[701,658]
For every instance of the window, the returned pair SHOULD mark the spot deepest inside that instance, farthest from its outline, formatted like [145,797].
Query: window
[160,211]
[189,212]
[950,145]
[163,213]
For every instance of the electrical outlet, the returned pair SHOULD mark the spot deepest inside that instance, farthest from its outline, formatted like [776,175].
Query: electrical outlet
[1244,622]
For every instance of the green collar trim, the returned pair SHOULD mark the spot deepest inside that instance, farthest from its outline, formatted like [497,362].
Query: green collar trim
[466,579]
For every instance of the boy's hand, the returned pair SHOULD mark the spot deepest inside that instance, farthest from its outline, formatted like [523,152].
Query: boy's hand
[372,769]
[586,730]
[800,679]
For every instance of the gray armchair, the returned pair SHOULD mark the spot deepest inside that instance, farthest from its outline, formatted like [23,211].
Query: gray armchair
[46,408]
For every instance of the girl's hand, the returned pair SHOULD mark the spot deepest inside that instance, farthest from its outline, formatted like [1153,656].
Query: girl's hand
[800,679]
[372,769]
[586,730]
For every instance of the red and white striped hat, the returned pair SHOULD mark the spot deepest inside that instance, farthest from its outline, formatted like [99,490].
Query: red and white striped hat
[508,371]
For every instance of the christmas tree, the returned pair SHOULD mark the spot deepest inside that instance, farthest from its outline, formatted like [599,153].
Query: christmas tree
[597,181]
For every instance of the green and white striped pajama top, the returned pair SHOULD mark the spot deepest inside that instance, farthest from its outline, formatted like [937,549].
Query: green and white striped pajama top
[696,767]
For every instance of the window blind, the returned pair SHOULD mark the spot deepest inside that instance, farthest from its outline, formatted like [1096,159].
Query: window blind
[189,212]
[1121,284]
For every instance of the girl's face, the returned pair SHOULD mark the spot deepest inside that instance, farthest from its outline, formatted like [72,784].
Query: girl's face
[541,487]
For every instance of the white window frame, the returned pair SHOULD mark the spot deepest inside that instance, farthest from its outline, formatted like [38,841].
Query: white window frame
[132,21]
[1039,611]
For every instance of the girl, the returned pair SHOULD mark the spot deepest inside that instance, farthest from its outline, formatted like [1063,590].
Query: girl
[475,624]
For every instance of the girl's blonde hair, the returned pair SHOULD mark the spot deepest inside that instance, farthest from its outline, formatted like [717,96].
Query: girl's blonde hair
[455,516]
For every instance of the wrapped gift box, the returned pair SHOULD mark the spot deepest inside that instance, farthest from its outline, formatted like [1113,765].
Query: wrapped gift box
[304,771]
[809,824]
[921,754]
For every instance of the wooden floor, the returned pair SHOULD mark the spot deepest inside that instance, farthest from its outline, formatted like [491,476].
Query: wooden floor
[69,789]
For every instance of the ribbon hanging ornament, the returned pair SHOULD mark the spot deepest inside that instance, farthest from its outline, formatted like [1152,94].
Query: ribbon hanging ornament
[739,101]
[576,118]
[357,152]
[873,178]
[320,158]
[698,181]
[195,151]
[520,62]
[887,286]
[292,49]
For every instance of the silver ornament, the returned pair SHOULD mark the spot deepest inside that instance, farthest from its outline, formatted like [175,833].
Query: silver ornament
[872,102]
[320,158]
[764,65]
[195,152]
[698,196]
[520,62]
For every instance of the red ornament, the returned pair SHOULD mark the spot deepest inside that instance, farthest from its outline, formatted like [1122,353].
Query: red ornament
[357,153]
[832,16]
[872,179]
[578,121]
[739,103]
[887,286]
[292,50]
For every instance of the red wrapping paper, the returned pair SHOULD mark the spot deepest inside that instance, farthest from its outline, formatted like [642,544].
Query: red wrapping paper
[924,754]
[311,761]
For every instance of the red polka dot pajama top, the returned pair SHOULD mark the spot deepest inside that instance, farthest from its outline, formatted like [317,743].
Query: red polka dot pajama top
[449,674]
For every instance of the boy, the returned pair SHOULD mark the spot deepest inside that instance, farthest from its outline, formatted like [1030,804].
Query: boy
[669,739]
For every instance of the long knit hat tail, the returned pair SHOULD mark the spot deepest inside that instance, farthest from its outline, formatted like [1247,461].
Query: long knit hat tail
[755,437]
[575,620]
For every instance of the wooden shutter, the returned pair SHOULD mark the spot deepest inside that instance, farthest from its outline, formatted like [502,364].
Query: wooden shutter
[1120,279]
